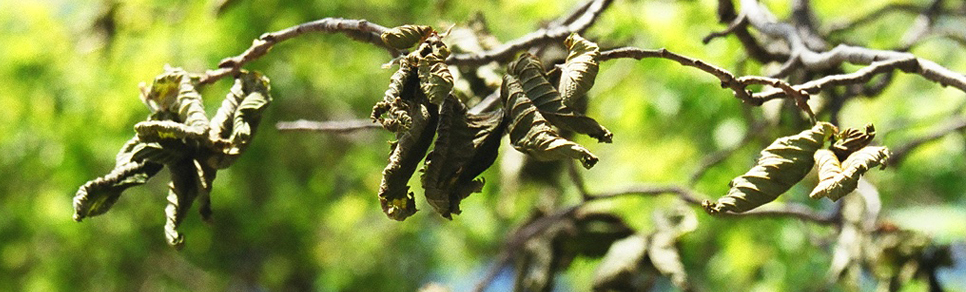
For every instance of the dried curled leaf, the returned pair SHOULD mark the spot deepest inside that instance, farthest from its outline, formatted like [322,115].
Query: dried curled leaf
[782,164]
[392,112]
[579,71]
[837,180]
[851,140]
[412,141]
[188,182]
[532,134]
[98,196]
[529,73]
[179,135]
[434,78]
[405,36]
[467,145]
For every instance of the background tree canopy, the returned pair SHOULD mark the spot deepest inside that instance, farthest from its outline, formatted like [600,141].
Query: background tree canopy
[299,210]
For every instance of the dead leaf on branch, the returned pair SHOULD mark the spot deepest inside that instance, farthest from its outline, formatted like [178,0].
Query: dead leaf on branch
[467,145]
[533,80]
[406,36]
[179,135]
[782,164]
[580,69]
[851,140]
[531,133]
[839,179]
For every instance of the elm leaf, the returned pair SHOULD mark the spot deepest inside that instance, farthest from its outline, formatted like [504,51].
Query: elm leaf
[467,145]
[782,164]
[405,36]
[836,183]
[532,134]
[533,80]
[580,69]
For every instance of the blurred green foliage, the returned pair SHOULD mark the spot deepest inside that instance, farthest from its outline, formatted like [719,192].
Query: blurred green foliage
[299,211]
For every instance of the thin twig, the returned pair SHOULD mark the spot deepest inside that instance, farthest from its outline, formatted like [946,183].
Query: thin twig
[879,13]
[901,152]
[327,126]
[543,35]
[694,198]
[360,30]
[728,80]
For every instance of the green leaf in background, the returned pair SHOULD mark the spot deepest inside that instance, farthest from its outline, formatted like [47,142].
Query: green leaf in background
[782,164]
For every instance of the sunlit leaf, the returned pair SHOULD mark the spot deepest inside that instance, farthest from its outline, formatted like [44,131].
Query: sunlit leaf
[99,195]
[467,145]
[782,164]
[405,36]
[533,81]
[530,133]
[579,71]
[836,181]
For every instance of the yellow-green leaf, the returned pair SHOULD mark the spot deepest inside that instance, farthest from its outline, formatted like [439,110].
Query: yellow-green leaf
[837,180]
[435,79]
[782,164]
[405,36]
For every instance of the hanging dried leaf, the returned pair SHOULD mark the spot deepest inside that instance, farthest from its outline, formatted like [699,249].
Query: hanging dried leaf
[467,145]
[579,71]
[530,133]
[411,146]
[529,73]
[434,78]
[186,185]
[782,164]
[405,36]
[851,140]
[837,180]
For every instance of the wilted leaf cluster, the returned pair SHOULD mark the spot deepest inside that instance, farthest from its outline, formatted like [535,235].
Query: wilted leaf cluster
[178,135]
[789,159]
[420,105]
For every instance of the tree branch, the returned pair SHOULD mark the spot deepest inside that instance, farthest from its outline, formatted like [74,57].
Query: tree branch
[543,35]
[899,153]
[360,30]
[728,80]
[694,198]
[327,126]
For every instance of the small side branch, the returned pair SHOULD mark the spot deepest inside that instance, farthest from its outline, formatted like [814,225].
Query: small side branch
[902,151]
[327,126]
[360,30]
[728,80]
[543,35]
[694,198]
